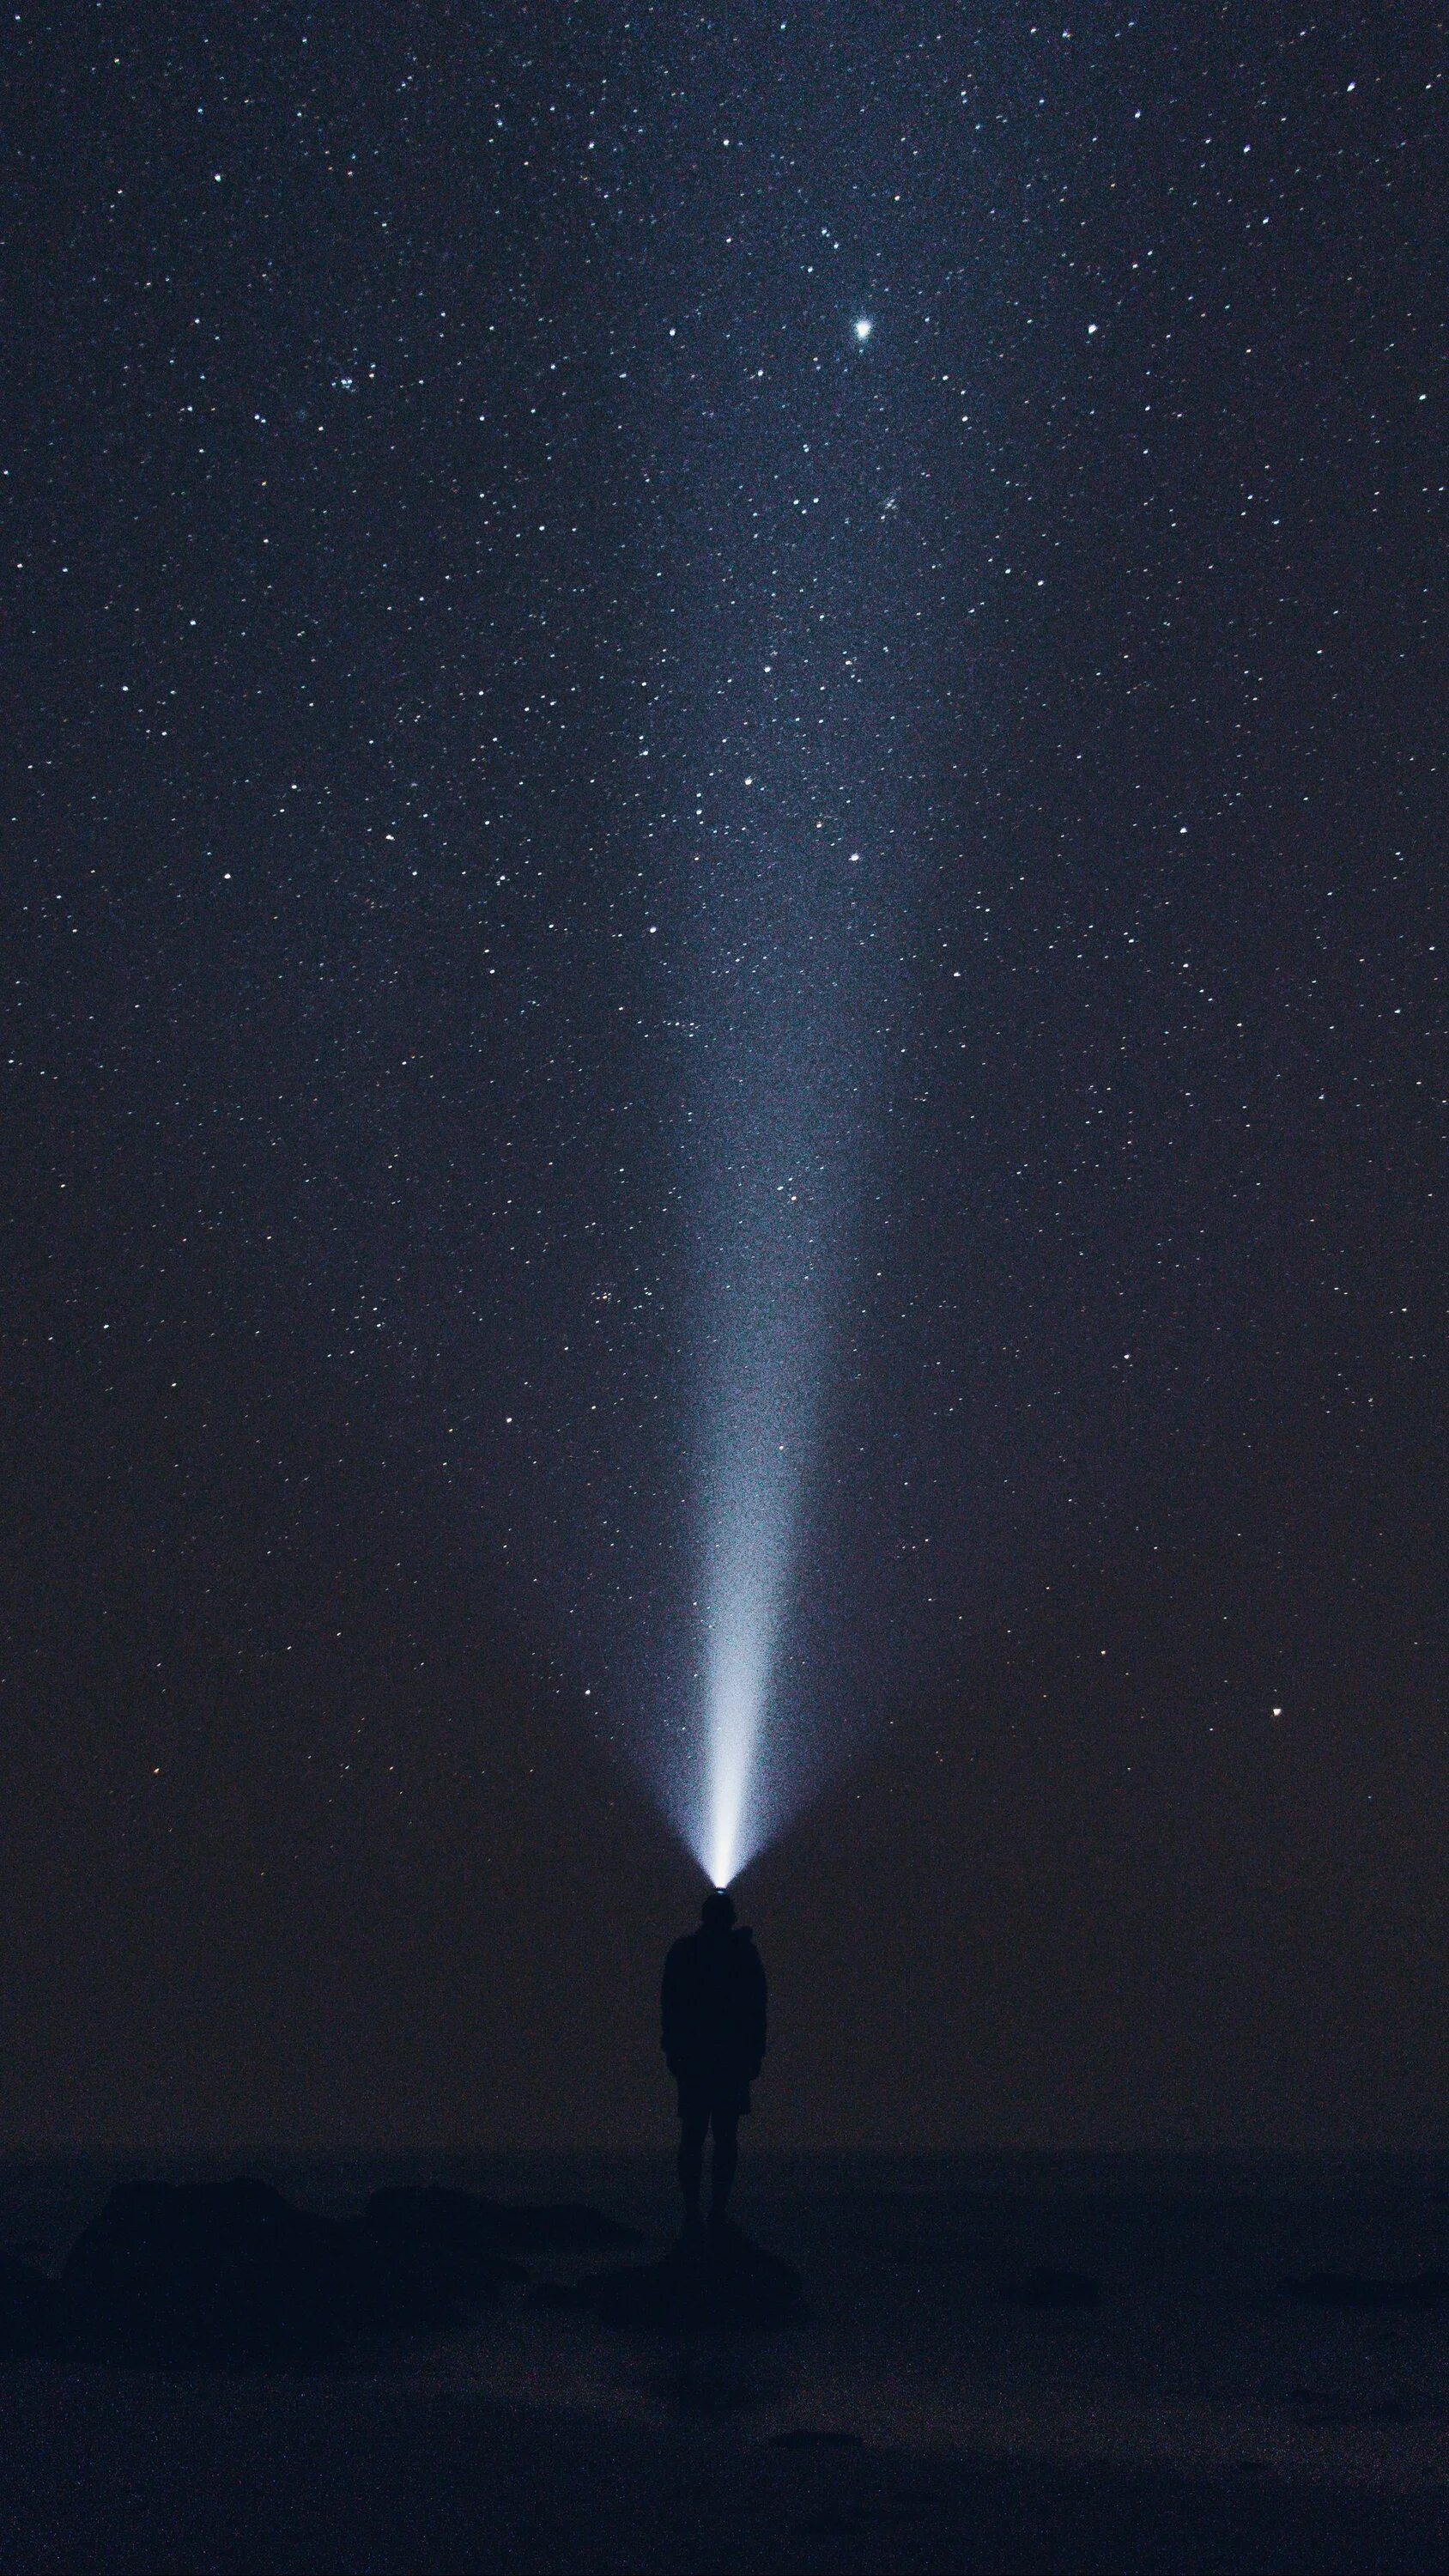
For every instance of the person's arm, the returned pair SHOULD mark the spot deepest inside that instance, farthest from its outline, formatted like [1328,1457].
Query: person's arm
[669,2012]
[758,1996]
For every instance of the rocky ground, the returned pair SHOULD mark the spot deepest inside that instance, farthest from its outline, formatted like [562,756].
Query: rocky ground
[893,2368]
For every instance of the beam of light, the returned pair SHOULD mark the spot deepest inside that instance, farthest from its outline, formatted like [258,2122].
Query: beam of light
[776,1197]
[741,1628]
[751,1502]
[782,693]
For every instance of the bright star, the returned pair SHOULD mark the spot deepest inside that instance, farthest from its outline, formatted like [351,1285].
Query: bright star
[864,328]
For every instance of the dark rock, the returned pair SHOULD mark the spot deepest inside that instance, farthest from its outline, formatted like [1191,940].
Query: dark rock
[1322,2407]
[1048,2289]
[854,2520]
[564,2227]
[400,2285]
[29,2308]
[715,2280]
[473,2228]
[441,2236]
[1364,2290]
[561,2294]
[210,2273]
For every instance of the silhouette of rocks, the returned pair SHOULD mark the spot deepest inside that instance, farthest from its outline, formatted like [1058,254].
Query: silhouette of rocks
[29,2308]
[209,2273]
[1323,2407]
[1045,2288]
[473,2231]
[716,2279]
[562,2294]
[1363,2290]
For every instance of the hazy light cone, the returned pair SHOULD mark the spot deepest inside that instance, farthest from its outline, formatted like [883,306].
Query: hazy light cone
[743,1621]
[762,1382]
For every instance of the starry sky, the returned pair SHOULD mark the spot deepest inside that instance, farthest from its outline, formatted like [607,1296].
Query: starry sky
[534,736]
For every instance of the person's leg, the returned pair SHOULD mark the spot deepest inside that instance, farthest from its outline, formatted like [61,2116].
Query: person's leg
[691,2158]
[726,2157]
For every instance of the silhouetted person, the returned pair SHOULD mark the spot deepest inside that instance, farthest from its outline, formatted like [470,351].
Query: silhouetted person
[713,2010]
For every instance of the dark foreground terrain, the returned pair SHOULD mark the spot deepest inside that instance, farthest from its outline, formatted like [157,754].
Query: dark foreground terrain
[1113,2366]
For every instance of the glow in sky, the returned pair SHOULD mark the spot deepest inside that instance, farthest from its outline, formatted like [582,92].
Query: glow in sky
[761,1375]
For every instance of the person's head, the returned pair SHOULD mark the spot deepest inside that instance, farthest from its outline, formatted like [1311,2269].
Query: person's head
[717,1914]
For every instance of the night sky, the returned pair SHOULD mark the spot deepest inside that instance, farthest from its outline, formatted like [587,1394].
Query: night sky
[531,729]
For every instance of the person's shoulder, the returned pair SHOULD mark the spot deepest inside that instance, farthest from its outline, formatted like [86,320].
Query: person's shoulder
[683,1948]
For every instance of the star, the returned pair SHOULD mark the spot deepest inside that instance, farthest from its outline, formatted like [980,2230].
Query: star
[863,328]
